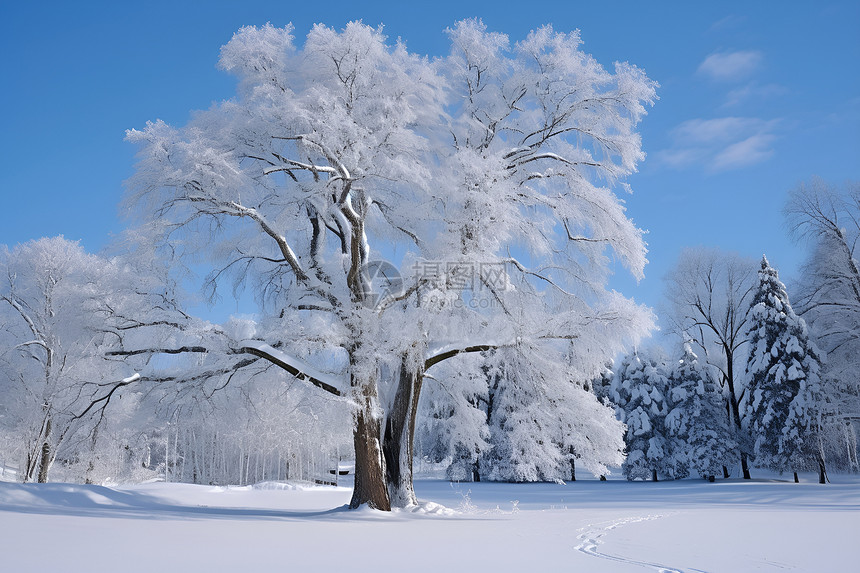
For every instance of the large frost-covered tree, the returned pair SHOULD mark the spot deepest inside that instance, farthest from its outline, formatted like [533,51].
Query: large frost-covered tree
[494,168]
[709,294]
[783,396]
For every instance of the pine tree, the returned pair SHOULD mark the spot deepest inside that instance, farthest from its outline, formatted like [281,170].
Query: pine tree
[639,393]
[700,437]
[602,384]
[784,389]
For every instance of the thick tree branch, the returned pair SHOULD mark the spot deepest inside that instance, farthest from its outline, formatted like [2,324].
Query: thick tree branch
[437,358]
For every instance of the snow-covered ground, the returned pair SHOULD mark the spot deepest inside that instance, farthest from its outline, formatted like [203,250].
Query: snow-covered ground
[586,526]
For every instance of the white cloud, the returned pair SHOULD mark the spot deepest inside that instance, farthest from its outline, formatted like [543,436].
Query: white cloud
[731,66]
[678,158]
[752,150]
[719,144]
[698,131]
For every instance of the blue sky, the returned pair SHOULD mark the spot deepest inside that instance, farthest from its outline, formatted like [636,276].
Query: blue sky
[755,97]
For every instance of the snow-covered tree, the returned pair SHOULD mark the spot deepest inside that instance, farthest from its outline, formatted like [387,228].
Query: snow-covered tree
[601,385]
[453,418]
[349,144]
[708,298]
[701,438]
[828,299]
[538,427]
[639,394]
[53,303]
[783,380]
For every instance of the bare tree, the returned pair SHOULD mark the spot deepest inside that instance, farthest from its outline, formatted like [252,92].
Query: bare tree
[51,300]
[708,297]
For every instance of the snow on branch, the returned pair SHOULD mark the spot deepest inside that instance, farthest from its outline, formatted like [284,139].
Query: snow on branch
[298,368]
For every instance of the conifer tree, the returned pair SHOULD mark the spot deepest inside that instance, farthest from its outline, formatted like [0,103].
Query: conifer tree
[701,439]
[784,388]
[639,394]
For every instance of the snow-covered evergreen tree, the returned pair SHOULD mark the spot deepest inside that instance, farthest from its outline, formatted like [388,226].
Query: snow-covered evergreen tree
[784,387]
[602,384]
[537,427]
[697,426]
[639,394]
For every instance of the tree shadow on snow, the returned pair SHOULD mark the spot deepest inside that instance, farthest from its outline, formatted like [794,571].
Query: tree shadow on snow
[99,501]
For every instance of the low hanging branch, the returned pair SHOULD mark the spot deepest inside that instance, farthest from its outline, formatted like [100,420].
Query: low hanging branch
[437,358]
[105,400]
[259,350]
[180,350]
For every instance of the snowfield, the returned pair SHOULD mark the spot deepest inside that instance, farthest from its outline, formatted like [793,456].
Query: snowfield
[588,525]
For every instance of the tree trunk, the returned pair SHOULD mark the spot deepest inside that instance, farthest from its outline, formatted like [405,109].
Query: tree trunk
[653,475]
[45,459]
[572,465]
[399,437]
[795,478]
[735,407]
[370,487]
[369,471]
[30,465]
[745,465]
[725,472]
[822,471]
[45,463]
[91,465]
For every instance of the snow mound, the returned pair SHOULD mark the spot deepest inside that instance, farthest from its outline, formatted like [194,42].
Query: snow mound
[429,508]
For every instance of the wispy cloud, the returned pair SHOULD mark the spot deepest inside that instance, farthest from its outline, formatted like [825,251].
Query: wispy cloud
[753,91]
[718,130]
[730,21]
[754,149]
[719,144]
[731,66]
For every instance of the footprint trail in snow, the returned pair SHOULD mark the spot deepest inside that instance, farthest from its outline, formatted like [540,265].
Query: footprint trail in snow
[591,538]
